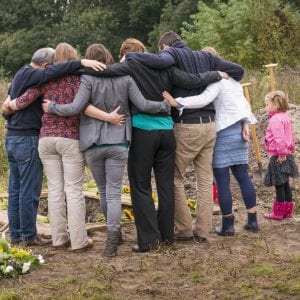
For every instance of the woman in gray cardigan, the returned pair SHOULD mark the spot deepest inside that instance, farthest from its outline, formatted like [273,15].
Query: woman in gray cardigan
[105,145]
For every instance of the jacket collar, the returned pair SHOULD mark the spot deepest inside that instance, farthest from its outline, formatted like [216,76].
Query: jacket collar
[179,44]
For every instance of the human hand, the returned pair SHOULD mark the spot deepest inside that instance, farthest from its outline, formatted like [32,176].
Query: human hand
[224,75]
[246,132]
[45,105]
[6,108]
[94,64]
[115,118]
[170,99]
[281,158]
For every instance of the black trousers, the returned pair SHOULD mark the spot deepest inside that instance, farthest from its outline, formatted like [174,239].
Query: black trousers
[152,149]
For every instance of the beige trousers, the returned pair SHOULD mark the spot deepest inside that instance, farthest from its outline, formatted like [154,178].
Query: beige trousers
[64,167]
[194,144]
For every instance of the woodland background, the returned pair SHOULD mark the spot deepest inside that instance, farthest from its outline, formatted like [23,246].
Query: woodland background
[249,32]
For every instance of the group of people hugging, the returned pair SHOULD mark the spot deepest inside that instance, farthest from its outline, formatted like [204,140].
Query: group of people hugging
[63,113]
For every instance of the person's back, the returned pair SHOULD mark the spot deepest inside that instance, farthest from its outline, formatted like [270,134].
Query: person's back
[230,104]
[106,94]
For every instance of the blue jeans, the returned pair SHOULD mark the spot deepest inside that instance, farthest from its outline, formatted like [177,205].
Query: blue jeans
[25,184]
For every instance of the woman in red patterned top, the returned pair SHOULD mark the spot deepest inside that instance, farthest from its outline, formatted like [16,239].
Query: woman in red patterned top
[61,158]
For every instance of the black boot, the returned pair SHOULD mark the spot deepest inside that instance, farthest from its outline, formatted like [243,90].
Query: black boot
[227,227]
[121,240]
[252,224]
[112,242]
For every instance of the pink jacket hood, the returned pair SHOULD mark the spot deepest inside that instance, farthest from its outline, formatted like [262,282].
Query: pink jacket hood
[280,138]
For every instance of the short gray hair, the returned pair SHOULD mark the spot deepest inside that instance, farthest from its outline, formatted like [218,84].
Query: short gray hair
[43,55]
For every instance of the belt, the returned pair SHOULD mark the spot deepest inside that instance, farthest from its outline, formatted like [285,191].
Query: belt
[200,120]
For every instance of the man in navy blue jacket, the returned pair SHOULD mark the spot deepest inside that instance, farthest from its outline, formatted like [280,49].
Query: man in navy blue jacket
[26,173]
[194,131]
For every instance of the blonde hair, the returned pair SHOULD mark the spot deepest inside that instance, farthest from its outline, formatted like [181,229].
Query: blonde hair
[99,52]
[280,99]
[131,45]
[64,52]
[211,50]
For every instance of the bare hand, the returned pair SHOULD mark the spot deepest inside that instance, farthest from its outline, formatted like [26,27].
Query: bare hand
[224,75]
[115,118]
[45,105]
[94,64]
[6,108]
[281,158]
[246,132]
[170,99]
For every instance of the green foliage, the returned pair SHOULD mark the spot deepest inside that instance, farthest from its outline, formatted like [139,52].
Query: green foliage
[173,14]
[250,32]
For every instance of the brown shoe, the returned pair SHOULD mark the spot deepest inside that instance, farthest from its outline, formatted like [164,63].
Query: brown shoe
[38,241]
[89,245]
[63,245]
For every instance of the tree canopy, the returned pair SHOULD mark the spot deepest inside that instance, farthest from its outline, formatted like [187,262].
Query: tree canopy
[250,32]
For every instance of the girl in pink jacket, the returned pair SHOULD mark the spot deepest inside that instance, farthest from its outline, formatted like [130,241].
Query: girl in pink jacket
[280,144]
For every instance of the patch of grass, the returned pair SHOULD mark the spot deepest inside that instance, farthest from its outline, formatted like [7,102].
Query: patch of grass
[263,270]
[58,284]
[290,287]
[197,278]
[158,278]
[98,286]
[9,295]
[296,260]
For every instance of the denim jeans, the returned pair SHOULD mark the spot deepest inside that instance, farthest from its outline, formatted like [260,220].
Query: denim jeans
[25,184]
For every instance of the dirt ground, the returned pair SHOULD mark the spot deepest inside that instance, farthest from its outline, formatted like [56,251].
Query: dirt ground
[247,266]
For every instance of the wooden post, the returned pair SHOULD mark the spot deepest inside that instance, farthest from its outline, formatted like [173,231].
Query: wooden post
[271,68]
[253,129]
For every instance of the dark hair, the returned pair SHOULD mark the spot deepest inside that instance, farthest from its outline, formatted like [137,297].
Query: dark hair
[99,52]
[168,38]
[131,45]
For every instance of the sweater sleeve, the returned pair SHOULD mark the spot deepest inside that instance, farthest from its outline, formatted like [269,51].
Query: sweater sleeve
[157,61]
[199,101]
[234,70]
[189,81]
[79,103]
[28,97]
[41,76]
[143,104]
[118,69]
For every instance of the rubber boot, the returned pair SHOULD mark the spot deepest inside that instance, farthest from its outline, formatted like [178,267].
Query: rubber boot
[227,227]
[278,211]
[288,209]
[252,224]
[112,241]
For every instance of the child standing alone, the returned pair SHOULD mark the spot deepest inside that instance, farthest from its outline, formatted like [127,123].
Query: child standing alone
[280,144]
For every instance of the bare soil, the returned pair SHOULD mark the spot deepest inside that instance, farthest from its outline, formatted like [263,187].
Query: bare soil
[247,266]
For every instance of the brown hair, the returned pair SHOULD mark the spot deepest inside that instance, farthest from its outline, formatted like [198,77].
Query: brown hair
[99,52]
[64,52]
[131,45]
[279,98]
[168,38]
[211,50]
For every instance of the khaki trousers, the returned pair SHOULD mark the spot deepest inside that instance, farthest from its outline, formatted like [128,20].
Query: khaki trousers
[64,167]
[194,144]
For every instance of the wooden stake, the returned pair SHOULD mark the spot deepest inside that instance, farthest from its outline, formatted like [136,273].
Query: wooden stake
[253,129]
[271,68]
